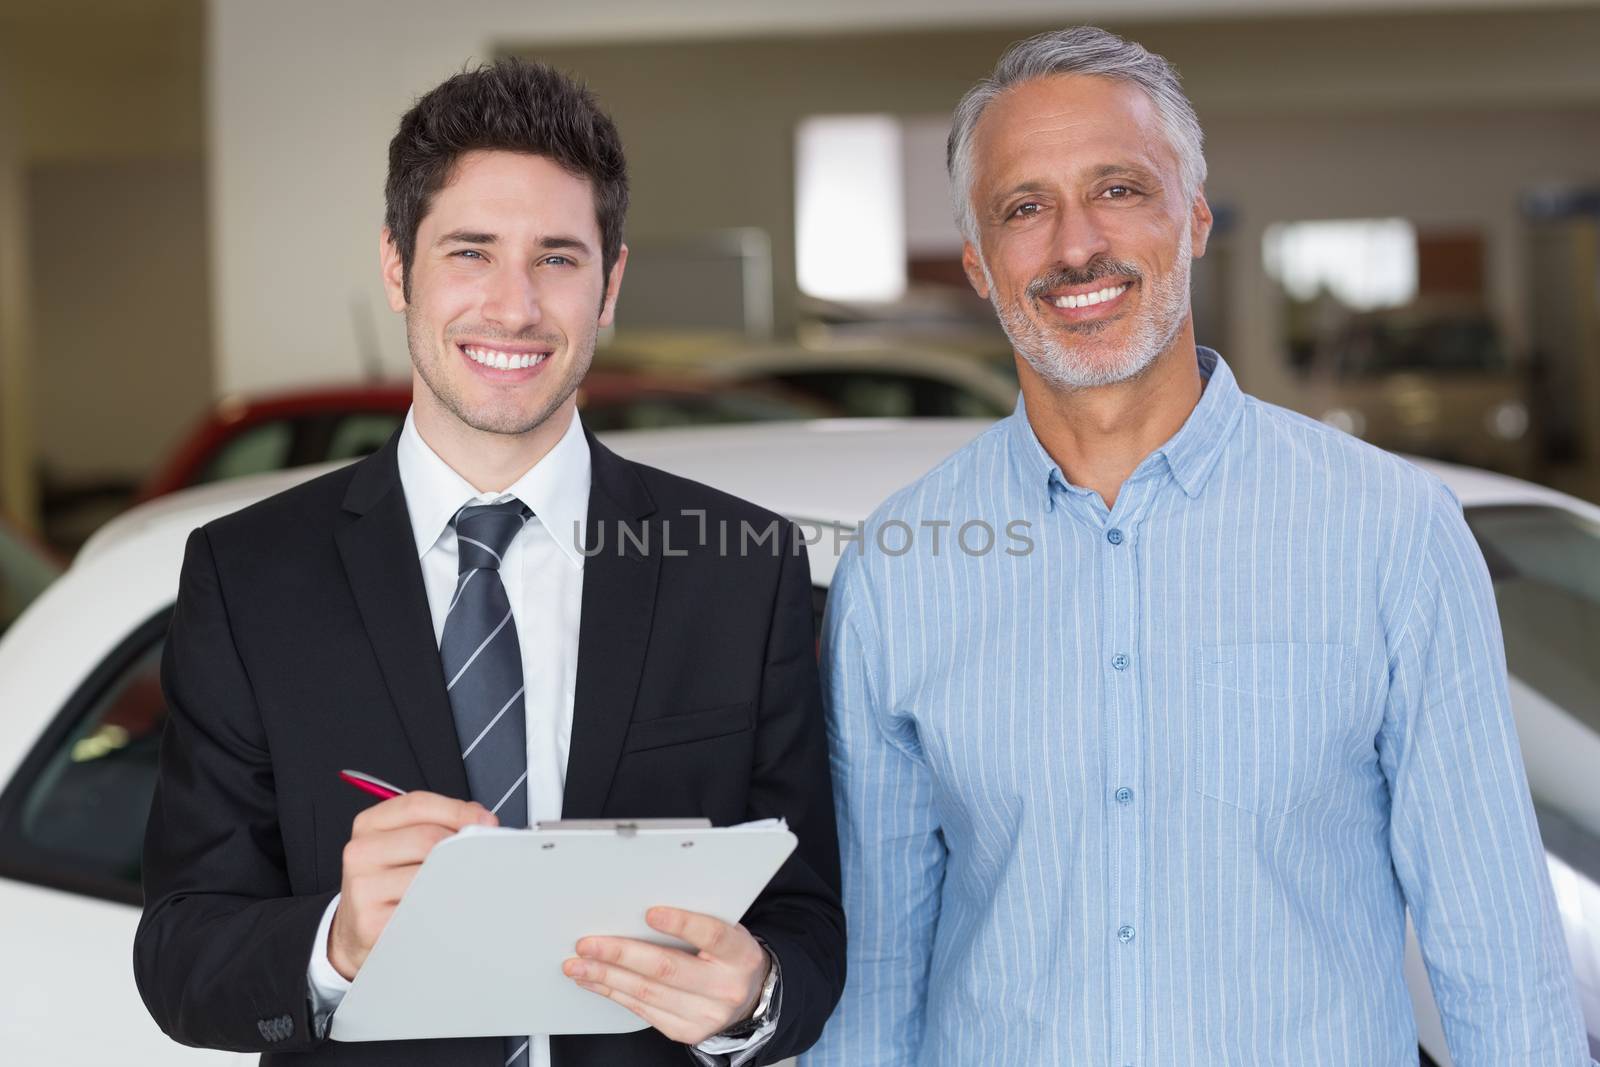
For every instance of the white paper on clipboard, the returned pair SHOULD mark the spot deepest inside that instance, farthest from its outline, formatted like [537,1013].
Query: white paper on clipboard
[476,946]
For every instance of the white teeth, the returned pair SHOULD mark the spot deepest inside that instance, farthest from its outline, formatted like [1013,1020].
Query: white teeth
[500,360]
[1089,299]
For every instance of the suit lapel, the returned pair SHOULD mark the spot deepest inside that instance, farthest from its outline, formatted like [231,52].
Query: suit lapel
[380,558]
[619,592]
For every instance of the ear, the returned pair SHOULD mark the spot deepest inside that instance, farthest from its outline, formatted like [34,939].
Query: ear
[1199,224]
[608,309]
[972,263]
[393,270]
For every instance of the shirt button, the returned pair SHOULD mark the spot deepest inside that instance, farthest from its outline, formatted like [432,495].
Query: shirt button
[1119,661]
[1114,535]
[1124,795]
[1125,934]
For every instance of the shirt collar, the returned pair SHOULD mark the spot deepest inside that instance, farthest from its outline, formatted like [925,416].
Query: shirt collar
[1190,454]
[1193,451]
[555,489]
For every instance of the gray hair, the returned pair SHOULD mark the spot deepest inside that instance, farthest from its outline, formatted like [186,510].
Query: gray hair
[1080,50]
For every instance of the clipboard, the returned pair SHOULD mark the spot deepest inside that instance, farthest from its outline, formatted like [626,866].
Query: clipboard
[476,945]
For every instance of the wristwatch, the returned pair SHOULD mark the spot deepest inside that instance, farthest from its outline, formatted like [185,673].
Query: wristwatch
[764,1006]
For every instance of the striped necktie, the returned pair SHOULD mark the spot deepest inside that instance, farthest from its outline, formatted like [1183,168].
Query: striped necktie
[482,662]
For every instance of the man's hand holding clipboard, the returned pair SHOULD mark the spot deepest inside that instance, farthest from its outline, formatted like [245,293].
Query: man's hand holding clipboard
[687,996]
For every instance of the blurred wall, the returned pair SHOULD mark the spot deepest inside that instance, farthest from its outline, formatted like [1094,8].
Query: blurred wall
[18,491]
[1443,120]
[105,124]
[121,312]
[1447,170]
[298,159]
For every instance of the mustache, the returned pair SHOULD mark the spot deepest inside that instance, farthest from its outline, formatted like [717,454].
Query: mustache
[526,337]
[1096,269]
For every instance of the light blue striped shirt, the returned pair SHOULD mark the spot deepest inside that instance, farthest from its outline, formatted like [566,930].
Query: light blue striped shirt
[1155,785]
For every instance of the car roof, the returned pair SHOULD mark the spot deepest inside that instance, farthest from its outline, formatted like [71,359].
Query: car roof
[826,471]
[966,371]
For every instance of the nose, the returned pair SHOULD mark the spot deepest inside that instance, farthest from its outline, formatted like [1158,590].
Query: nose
[1079,237]
[511,299]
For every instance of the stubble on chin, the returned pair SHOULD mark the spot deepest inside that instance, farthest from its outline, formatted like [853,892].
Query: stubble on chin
[1077,355]
[429,361]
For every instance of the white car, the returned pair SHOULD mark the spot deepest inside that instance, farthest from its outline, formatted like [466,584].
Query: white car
[81,707]
[878,382]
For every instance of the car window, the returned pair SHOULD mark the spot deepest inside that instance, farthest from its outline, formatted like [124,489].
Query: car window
[74,814]
[24,573]
[654,411]
[857,394]
[960,404]
[888,394]
[256,450]
[362,433]
[1545,564]
[647,413]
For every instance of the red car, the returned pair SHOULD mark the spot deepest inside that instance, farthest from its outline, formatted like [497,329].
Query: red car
[249,436]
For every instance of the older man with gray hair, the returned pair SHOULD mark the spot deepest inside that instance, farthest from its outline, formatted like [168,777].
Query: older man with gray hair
[1158,787]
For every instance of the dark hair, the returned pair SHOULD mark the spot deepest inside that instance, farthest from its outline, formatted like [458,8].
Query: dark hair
[508,105]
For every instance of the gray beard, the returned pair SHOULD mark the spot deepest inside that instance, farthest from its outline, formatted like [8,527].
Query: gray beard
[1070,366]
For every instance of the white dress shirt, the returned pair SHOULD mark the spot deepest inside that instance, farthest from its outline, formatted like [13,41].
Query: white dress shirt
[542,571]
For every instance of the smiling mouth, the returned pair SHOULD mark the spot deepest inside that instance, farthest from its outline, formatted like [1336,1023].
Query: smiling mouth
[503,359]
[1083,300]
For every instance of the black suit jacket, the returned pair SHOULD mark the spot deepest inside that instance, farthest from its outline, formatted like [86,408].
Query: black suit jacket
[302,644]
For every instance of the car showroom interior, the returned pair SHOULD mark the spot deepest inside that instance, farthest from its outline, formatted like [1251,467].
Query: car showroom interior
[1404,248]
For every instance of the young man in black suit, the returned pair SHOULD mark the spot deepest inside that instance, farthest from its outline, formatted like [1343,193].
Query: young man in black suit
[430,615]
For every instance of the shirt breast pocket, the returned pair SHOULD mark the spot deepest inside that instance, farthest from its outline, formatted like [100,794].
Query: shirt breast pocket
[1268,722]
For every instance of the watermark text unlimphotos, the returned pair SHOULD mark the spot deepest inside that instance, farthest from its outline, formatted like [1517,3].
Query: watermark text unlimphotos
[693,531]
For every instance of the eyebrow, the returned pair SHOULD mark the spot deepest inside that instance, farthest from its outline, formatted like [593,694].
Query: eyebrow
[554,242]
[1132,170]
[1104,170]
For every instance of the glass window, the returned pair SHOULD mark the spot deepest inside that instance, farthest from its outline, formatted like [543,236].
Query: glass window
[850,227]
[653,411]
[1363,263]
[24,573]
[856,394]
[253,451]
[1545,563]
[75,813]
[362,434]
[964,405]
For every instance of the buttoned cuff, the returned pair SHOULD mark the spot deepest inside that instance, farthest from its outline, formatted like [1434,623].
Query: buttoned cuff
[327,986]
[719,1050]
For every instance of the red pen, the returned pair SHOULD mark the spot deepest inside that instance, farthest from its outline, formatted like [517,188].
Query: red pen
[371,784]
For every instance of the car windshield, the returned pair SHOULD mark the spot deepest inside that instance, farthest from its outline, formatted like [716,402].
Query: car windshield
[1545,565]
